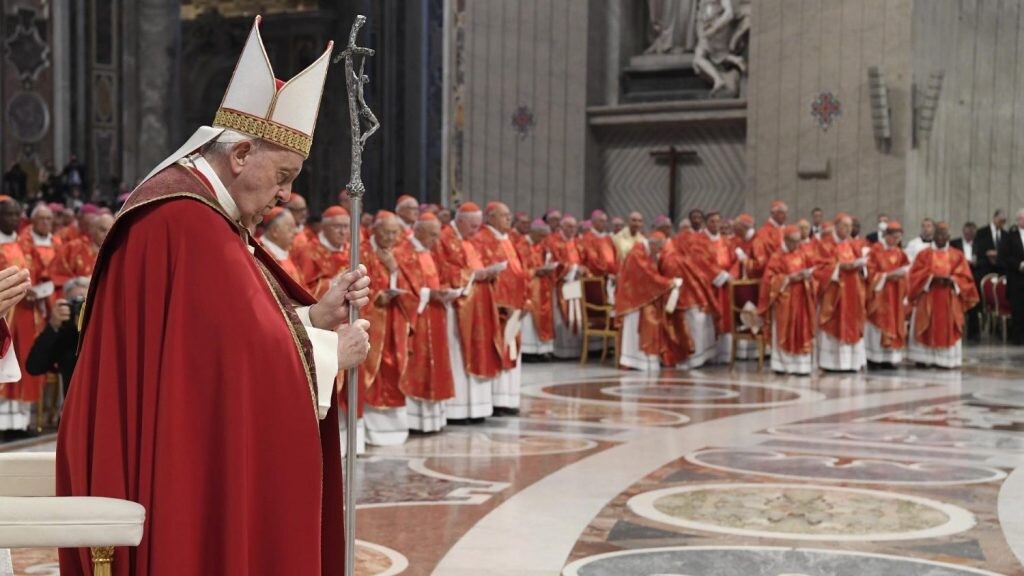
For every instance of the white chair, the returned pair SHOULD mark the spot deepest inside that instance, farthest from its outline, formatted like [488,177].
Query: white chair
[31,516]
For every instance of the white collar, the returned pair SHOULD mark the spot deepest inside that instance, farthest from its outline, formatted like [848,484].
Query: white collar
[41,240]
[328,245]
[562,234]
[8,238]
[497,234]
[280,253]
[373,243]
[223,196]
[836,237]
[598,234]
[709,235]
[417,244]
[456,230]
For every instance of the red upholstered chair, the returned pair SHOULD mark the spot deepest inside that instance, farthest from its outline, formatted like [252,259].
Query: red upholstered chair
[740,293]
[1002,304]
[989,302]
[598,317]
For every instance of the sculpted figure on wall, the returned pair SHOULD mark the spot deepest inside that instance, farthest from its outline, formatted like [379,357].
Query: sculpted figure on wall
[671,27]
[722,28]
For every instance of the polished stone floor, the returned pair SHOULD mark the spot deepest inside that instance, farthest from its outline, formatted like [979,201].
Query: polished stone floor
[715,472]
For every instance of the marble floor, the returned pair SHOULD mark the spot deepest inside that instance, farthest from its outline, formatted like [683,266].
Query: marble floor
[715,472]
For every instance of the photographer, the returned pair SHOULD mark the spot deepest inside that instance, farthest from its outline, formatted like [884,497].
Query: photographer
[56,344]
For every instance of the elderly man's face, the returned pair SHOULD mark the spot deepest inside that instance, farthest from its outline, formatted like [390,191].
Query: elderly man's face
[336,229]
[537,235]
[792,242]
[636,223]
[656,245]
[522,224]
[500,219]
[780,215]
[100,228]
[740,229]
[42,222]
[554,221]
[599,222]
[805,230]
[843,228]
[445,216]
[893,238]
[408,212]
[617,225]
[568,228]
[263,178]
[386,233]
[297,206]
[282,230]
[468,226]
[428,232]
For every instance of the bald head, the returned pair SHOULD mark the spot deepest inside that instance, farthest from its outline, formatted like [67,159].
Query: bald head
[427,232]
[100,227]
[386,230]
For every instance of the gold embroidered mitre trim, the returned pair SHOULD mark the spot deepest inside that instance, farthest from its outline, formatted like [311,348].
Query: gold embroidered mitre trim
[265,129]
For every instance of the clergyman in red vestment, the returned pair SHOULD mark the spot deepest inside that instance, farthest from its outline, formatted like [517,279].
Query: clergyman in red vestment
[204,388]
[886,329]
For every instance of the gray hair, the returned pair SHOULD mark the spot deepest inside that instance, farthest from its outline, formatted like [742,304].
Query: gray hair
[76,282]
[222,145]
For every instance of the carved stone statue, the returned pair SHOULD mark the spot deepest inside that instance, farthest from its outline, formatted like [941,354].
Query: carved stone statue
[721,28]
[672,26]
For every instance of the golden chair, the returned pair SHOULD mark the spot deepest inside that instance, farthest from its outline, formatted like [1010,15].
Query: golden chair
[598,317]
[740,293]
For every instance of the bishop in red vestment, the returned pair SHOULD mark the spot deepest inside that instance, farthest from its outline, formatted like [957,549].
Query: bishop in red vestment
[278,234]
[886,330]
[327,254]
[428,379]
[640,306]
[942,289]
[539,324]
[78,257]
[768,239]
[789,304]
[204,388]
[841,274]
[568,314]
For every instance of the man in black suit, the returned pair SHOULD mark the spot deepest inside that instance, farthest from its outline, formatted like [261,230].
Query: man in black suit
[883,221]
[987,246]
[966,244]
[1011,257]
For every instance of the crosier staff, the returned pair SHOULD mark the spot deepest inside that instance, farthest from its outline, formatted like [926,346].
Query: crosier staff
[357,110]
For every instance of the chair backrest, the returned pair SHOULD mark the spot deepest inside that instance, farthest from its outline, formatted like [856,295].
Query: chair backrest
[1002,298]
[594,291]
[989,302]
[742,292]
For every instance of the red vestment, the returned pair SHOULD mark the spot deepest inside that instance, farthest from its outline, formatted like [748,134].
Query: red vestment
[939,310]
[743,269]
[25,323]
[767,241]
[541,292]
[511,288]
[318,265]
[843,302]
[73,259]
[567,255]
[479,326]
[30,317]
[791,304]
[682,262]
[429,373]
[195,396]
[642,288]
[382,371]
[597,254]
[886,309]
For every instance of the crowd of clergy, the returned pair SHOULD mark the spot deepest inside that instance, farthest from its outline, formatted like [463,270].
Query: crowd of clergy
[461,298]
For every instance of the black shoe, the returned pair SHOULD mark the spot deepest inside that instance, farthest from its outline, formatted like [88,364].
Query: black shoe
[476,420]
[459,421]
[506,411]
[549,357]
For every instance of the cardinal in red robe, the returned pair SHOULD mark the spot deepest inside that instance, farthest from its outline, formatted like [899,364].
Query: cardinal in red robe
[474,325]
[597,250]
[841,274]
[942,289]
[640,306]
[300,213]
[278,234]
[788,301]
[204,387]
[768,239]
[511,296]
[568,312]
[327,254]
[696,308]
[719,274]
[538,333]
[78,257]
[886,331]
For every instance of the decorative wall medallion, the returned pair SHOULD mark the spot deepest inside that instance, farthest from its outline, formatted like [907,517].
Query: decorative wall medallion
[523,120]
[801,512]
[826,109]
[760,560]
[27,51]
[28,117]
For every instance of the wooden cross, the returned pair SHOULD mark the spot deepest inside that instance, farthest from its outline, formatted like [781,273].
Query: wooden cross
[674,157]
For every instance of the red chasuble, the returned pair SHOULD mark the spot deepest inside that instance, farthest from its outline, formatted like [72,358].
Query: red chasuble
[511,289]
[566,254]
[318,265]
[843,303]
[939,311]
[885,308]
[479,326]
[791,304]
[195,396]
[682,262]
[642,288]
[741,269]
[385,365]
[429,374]
[25,322]
[767,241]
[72,259]
[597,253]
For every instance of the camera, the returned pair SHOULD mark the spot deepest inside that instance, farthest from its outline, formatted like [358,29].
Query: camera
[76,304]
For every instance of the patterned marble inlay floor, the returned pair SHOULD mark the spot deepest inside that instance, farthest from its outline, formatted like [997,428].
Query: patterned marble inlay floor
[715,472]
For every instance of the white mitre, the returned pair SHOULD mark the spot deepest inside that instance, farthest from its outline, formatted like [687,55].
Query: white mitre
[259,105]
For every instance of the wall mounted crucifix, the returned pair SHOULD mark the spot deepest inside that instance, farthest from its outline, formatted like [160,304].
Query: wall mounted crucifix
[673,157]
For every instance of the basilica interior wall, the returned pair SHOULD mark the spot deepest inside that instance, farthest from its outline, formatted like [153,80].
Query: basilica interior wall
[801,49]
[972,161]
[522,118]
